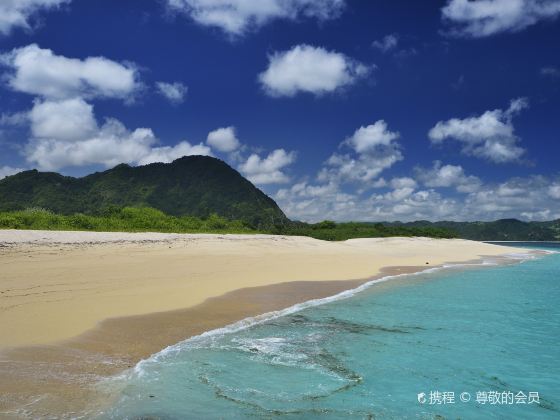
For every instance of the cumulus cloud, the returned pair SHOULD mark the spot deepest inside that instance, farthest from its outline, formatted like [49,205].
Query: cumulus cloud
[313,203]
[374,149]
[362,168]
[447,176]
[306,68]
[490,136]
[306,190]
[17,13]
[554,191]
[40,72]
[529,198]
[368,138]
[237,17]
[307,202]
[403,182]
[269,170]
[66,133]
[398,194]
[387,43]
[64,129]
[110,145]
[223,139]
[9,170]
[66,120]
[348,187]
[174,92]
[481,18]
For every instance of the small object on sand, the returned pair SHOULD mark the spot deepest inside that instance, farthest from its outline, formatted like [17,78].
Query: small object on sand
[427,263]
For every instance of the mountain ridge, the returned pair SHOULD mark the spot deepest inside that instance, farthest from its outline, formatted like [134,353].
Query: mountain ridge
[509,229]
[192,185]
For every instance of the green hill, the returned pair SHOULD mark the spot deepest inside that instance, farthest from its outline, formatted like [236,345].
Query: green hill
[192,185]
[499,230]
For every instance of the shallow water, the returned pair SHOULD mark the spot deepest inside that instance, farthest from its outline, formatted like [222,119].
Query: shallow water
[484,329]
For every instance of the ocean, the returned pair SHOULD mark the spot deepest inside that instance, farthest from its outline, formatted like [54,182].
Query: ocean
[468,342]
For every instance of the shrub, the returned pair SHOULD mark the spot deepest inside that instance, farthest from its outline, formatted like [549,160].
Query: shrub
[134,219]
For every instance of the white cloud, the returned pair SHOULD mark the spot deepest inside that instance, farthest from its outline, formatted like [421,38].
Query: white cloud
[379,183]
[17,13]
[39,71]
[223,139]
[554,191]
[343,191]
[422,205]
[9,170]
[66,120]
[517,197]
[490,136]
[398,194]
[110,145]
[375,149]
[539,215]
[66,133]
[305,68]
[527,198]
[447,176]
[403,182]
[174,92]
[361,168]
[303,189]
[368,138]
[387,43]
[480,18]
[313,203]
[268,170]
[236,17]
[308,202]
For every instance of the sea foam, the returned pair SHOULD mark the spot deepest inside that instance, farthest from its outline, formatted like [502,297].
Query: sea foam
[199,340]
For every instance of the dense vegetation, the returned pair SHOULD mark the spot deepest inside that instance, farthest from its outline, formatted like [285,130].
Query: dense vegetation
[196,186]
[331,231]
[128,219]
[131,219]
[499,230]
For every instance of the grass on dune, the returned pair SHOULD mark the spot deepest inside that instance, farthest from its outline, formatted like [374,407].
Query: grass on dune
[128,219]
[132,219]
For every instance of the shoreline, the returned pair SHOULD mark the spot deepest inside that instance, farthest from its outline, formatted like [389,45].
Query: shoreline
[89,362]
[106,351]
[95,276]
[68,369]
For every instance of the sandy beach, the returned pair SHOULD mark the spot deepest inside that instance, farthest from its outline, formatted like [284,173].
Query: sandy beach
[79,306]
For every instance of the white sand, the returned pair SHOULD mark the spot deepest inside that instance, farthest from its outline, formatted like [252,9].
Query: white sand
[55,285]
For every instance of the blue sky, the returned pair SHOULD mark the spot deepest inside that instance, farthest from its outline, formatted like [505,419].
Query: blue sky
[339,109]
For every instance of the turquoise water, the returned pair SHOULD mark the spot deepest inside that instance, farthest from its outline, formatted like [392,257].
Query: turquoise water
[492,328]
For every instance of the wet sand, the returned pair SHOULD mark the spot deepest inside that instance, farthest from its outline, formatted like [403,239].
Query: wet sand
[68,371]
[53,371]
